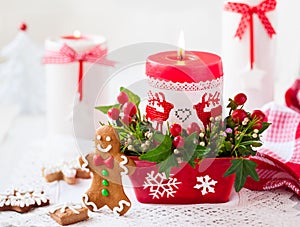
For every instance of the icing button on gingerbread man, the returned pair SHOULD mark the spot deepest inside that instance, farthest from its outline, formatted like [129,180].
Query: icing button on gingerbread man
[108,165]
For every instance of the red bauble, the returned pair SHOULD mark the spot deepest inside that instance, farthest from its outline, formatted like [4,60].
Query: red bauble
[113,113]
[129,109]
[240,99]
[238,115]
[122,97]
[175,129]
[178,141]
[23,27]
[292,98]
[193,127]
[258,114]
[126,119]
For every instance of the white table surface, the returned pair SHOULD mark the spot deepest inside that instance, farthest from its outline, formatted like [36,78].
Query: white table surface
[25,148]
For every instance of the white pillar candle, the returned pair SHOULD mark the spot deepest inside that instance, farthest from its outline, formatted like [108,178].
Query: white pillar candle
[62,88]
[258,83]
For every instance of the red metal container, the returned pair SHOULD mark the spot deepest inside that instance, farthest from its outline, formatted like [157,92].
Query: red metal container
[186,185]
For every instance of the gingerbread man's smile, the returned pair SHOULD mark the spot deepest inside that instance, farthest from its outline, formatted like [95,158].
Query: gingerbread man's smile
[100,148]
[105,150]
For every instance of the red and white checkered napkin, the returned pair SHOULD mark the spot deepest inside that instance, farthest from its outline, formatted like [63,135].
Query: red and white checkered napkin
[279,158]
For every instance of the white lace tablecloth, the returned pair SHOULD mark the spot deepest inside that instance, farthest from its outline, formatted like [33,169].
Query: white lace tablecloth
[24,150]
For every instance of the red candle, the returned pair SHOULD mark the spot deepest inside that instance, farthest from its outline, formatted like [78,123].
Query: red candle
[194,67]
[184,87]
[76,36]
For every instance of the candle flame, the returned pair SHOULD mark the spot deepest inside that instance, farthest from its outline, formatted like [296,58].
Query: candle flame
[77,34]
[181,46]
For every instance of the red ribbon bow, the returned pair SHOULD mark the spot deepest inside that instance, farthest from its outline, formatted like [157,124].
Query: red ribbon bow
[67,55]
[98,161]
[247,19]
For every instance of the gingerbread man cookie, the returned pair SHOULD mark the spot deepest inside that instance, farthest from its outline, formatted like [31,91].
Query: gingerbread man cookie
[108,165]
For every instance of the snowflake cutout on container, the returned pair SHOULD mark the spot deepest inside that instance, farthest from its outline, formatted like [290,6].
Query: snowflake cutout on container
[160,185]
[206,184]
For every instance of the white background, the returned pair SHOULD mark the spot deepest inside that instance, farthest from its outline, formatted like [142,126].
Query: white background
[122,22]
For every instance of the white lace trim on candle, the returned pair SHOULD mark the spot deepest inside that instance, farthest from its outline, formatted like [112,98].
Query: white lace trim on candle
[177,86]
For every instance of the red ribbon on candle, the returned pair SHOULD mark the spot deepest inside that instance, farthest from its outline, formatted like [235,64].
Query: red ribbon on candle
[247,19]
[67,55]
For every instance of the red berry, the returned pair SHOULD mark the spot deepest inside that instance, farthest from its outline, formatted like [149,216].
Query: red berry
[178,141]
[23,27]
[126,119]
[240,99]
[259,115]
[258,125]
[292,96]
[193,127]
[238,115]
[122,97]
[113,113]
[175,129]
[129,109]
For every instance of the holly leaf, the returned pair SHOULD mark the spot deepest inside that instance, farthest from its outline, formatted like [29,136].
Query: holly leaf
[242,168]
[105,109]
[189,141]
[190,149]
[265,125]
[189,156]
[199,152]
[131,96]
[160,153]
[158,137]
[167,164]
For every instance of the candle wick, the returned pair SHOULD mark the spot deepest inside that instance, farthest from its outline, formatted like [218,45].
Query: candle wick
[181,46]
[181,57]
[180,54]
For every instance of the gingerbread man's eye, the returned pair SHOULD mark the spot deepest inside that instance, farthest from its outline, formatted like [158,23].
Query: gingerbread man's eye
[98,137]
[108,138]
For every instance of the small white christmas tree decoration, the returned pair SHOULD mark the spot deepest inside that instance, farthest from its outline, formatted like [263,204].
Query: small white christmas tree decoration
[22,75]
